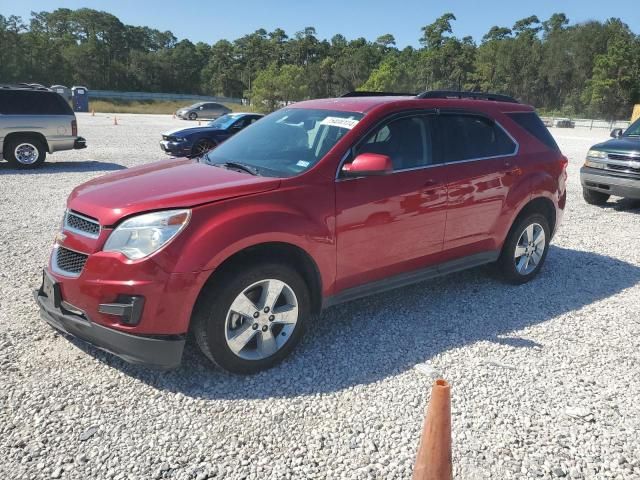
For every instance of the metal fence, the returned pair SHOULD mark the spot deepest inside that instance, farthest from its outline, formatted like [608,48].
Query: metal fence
[111,94]
[590,123]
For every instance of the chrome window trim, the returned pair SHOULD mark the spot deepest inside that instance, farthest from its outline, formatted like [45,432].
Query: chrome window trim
[69,228]
[54,261]
[339,178]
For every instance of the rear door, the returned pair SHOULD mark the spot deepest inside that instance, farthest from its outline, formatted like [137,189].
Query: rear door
[480,157]
[393,223]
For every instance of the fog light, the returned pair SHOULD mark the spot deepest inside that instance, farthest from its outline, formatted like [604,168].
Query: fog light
[127,307]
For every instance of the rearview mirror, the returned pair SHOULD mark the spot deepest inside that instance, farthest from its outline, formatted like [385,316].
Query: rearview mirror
[616,133]
[367,164]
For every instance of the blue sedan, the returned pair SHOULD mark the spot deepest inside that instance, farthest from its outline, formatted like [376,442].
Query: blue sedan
[193,142]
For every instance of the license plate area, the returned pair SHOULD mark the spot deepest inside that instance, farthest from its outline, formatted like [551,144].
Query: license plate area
[51,289]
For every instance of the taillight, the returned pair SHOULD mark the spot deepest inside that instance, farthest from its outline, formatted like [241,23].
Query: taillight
[74,128]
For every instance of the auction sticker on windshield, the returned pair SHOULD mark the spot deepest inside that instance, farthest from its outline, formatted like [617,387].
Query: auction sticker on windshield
[347,123]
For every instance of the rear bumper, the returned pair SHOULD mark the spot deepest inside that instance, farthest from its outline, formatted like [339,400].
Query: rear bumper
[80,143]
[157,352]
[594,179]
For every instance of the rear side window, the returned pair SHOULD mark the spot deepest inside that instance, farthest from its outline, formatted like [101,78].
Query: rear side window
[532,124]
[25,102]
[460,137]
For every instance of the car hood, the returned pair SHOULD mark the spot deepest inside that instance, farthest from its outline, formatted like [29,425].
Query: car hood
[620,145]
[183,132]
[175,183]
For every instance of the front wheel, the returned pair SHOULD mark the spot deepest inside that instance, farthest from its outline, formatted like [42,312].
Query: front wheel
[202,147]
[193,116]
[525,249]
[252,318]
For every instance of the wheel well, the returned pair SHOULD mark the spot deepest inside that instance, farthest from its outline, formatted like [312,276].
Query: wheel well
[15,135]
[279,253]
[543,206]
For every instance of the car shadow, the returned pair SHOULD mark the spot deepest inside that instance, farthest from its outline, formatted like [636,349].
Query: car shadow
[63,167]
[623,205]
[368,340]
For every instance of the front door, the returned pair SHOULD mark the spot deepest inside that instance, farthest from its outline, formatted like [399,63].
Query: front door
[393,223]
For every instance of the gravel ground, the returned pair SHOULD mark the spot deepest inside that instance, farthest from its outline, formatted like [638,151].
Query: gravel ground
[545,376]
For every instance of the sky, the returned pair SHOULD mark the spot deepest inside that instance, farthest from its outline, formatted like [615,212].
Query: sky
[209,21]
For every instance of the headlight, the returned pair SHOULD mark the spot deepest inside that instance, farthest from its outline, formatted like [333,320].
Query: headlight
[596,154]
[180,139]
[142,235]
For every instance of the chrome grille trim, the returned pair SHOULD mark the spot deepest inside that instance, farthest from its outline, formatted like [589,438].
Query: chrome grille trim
[85,226]
[67,262]
[623,157]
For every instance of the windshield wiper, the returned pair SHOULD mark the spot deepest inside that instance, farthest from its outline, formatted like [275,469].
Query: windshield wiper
[240,166]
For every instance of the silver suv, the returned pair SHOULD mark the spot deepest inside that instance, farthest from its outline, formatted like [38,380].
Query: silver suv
[35,121]
[203,110]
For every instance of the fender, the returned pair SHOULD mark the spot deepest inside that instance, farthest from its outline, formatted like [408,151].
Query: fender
[277,216]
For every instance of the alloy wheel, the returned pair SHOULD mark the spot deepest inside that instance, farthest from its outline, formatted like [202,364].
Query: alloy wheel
[261,319]
[26,153]
[530,249]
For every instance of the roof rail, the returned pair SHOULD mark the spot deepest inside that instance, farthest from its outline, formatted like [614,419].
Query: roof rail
[496,97]
[358,93]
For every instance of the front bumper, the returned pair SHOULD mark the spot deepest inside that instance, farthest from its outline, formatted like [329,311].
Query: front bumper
[163,352]
[620,186]
[176,149]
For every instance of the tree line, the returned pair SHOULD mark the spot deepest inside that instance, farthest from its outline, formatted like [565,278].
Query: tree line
[591,68]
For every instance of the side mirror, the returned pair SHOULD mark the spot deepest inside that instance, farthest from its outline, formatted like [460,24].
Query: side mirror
[201,108]
[616,133]
[367,164]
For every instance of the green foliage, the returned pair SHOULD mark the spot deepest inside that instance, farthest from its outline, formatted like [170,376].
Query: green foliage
[589,68]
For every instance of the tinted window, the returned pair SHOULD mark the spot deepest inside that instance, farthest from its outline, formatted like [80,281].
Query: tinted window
[404,140]
[465,137]
[532,124]
[25,102]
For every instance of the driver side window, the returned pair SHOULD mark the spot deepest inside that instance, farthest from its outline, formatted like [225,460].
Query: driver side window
[405,140]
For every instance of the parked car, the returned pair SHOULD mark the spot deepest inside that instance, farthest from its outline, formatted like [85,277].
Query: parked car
[206,110]
[564,123]
[35,121]
[195,141]
[613,167]
[316,204]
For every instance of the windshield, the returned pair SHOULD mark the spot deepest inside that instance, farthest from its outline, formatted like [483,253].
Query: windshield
[224,122]
[633,130]
[287,142]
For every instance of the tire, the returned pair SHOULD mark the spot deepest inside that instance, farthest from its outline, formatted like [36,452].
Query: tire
[519,270]
[592,197]
[202,147]
[193,116]
[25,152]
[265,340]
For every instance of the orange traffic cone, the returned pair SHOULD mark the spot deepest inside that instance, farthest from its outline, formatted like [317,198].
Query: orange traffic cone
[433,461]
[115,120]
[199,122]
[93,112]
[174,116]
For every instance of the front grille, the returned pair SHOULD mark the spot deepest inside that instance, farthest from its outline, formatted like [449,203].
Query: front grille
[81,224]
[69,261]
[624,158]
[623,168]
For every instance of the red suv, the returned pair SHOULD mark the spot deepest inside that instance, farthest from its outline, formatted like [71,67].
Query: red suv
[319,203]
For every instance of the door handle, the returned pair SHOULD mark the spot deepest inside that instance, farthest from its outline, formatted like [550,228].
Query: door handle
[511,169]
[429,186]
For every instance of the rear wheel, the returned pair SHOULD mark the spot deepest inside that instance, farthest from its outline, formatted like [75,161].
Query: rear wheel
[593,197]
[525,249]
[25,152]
[252,318]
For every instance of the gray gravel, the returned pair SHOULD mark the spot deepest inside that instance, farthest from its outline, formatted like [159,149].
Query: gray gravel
[546,376]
